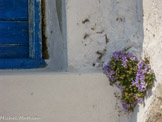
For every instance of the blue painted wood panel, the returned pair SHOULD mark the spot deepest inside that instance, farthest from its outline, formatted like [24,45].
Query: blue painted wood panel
[14,32]
[20,34]
[13,9]
[14,51]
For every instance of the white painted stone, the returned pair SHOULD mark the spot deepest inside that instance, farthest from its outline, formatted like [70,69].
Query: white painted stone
[74,97]
[56,40]
[120,21]
[152,28]
[59,97]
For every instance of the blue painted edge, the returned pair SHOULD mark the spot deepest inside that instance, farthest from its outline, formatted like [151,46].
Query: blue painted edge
[38,30]
[21,63]
[35,29]
[38,33]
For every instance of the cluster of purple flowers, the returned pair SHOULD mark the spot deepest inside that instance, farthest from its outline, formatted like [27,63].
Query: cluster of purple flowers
[139,81]
[118,55]
[121,55]
[137,70]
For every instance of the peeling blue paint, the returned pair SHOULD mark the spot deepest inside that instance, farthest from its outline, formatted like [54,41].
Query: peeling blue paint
[30,39]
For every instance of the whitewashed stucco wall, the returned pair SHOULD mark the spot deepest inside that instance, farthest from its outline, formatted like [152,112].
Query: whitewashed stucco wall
[152,47]
[56,39]
[96,28]
[100,27]
[59,97]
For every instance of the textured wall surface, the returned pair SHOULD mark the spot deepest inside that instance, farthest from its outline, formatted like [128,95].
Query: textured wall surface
[96,28]
[152,47]
[59,97]
[56,37]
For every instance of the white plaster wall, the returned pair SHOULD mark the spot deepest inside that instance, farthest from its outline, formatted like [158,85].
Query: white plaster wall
[74,97]
[58,97]
[64,97]
[152,47]
[56,40]
[153,34]
[112,25]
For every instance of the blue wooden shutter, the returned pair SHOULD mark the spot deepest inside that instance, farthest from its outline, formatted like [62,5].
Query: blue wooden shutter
[14,42]
[20,34]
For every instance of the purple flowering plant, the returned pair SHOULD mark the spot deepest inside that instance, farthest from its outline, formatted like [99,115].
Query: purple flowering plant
[132,76]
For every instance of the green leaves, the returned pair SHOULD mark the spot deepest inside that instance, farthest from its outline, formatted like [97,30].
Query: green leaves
[131,76]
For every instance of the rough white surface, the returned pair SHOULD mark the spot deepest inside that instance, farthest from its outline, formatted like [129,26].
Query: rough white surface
[152,47]
[96,28]
[66,97]
[154,111]
[56,40]
[55,97]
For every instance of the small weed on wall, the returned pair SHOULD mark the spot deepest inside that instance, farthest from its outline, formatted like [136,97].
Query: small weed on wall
[132,76]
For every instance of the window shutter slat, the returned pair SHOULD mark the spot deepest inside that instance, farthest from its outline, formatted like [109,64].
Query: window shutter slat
[13,9]
[14,32]
[9,51]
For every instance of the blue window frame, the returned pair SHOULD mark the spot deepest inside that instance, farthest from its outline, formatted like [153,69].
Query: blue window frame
[20,34]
